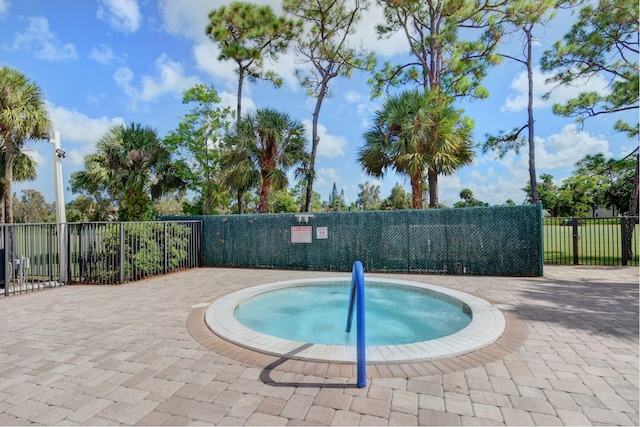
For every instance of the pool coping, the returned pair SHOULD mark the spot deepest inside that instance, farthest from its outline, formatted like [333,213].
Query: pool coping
[487,325]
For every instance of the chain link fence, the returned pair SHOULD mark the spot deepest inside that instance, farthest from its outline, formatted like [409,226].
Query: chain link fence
[473,241]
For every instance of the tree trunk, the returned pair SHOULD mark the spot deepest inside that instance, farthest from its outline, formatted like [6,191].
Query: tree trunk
[239,103]
[264,195]
[433,188]
[416,191]
[633,212]
[240,200]
[532,143]
[315,140]
[238,115]
[8,180]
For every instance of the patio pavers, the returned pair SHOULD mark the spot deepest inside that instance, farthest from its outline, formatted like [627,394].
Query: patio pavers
[125,355]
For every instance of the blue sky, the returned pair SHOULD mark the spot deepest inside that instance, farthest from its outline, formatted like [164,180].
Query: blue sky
[104,62]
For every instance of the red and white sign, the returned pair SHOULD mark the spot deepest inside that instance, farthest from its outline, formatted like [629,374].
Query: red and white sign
[301,234]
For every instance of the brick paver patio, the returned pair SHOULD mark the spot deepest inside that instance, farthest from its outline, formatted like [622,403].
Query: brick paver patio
[133,354]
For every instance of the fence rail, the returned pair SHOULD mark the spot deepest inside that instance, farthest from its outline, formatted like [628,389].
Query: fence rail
[591,241]
[40,256]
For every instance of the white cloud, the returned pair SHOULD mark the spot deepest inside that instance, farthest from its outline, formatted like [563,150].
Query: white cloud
[353,96]
[326,176]
[122,15]
[170,79]
[566,148]
[206,56]
[228,99]
[43,42]
[79,128]
[330,145]
[4,6]
[503,179]
[285,67]
[558,94]
[103,54]
[123,78]
[187,18]
[365,34]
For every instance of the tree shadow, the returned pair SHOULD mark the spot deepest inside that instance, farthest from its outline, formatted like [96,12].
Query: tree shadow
[265,374]
[594,306]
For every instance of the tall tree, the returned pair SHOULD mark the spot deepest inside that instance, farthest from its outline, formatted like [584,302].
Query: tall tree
[368,197]
[523,16]
[468,200]
[414,132]
[32,207]
[198,142]
[131,165]
[23,116]
[24,169]
[398,199]
[442,60]
[603,41]
[90,208]
[271,143]
[614,179]
[325,50]
[247,33]
[300,193]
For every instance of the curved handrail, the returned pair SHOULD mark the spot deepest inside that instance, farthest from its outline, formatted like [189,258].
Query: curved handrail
[357,298]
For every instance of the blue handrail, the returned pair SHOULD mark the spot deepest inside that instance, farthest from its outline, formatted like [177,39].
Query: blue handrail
[357,294]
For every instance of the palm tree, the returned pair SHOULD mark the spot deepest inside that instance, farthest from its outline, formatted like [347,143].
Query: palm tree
[416,132]
[24,169]
[239,173]
[266,145]
[131,165]
[23,116]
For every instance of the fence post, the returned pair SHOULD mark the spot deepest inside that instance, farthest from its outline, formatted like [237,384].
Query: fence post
[51,254]
[623,235]
[7,257]
[576,237]
[121,252]
[166,252]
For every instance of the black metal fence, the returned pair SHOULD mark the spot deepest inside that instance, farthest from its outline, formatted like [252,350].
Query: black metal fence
[591,241]
[40,256]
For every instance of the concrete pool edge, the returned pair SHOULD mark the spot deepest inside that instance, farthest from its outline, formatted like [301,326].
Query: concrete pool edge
[486,327]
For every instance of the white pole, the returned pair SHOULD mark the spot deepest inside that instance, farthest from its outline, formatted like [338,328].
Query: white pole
[61,216]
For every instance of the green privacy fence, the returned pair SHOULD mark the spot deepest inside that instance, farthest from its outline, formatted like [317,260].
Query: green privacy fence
[478,241]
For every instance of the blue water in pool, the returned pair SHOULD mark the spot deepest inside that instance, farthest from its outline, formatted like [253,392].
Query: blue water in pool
[318,314]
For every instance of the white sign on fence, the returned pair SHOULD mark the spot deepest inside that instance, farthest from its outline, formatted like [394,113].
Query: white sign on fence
[301,234]
[322,233]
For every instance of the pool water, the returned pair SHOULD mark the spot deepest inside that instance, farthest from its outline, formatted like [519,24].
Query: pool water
[318,314]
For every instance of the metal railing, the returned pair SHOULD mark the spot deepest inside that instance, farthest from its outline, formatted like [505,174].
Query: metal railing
[40,256]
[356,299]
[110,253]
[591,241]
[29,258]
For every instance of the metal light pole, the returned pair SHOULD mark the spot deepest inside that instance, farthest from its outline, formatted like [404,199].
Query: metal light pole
[61,216]
[58,155]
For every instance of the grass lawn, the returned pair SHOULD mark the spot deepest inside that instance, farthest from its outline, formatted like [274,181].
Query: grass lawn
[599,244]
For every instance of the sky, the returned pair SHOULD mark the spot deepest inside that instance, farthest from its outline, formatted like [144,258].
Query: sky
[105,62]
